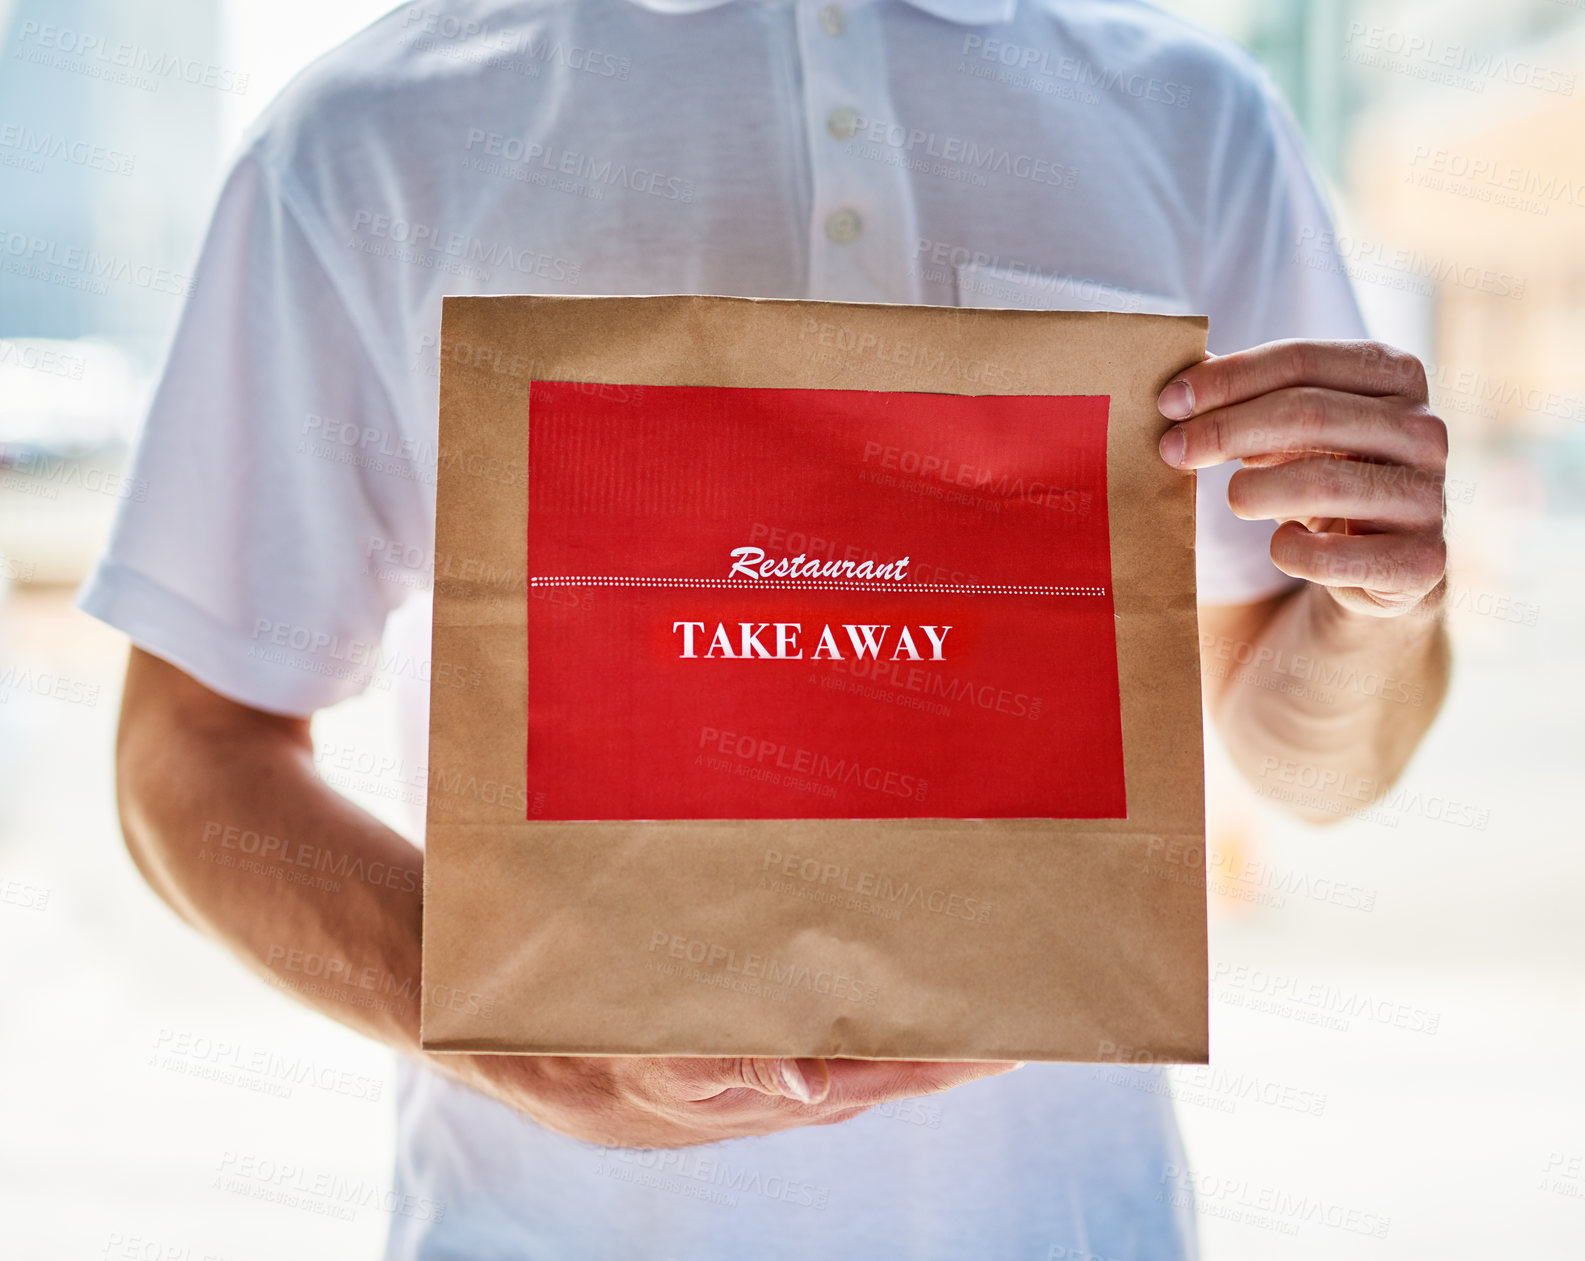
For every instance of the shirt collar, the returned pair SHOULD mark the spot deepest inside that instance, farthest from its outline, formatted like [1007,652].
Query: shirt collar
[964,12]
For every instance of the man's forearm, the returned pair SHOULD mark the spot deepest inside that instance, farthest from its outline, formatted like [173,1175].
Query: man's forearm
[228,821]
[1321,708]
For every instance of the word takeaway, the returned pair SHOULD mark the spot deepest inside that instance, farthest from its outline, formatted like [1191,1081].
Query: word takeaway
[868,641]
[750,562]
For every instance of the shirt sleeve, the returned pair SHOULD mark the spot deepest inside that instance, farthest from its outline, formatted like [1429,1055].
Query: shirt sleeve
[1266,205]
[274,469]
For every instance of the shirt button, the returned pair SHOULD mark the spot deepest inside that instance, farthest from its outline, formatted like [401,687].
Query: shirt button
[844,226]
[832,20]
[843,122]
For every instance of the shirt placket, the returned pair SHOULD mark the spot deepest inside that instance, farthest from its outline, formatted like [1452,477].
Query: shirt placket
[862,226]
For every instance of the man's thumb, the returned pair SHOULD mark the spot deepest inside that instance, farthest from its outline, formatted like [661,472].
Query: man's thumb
[807,1081]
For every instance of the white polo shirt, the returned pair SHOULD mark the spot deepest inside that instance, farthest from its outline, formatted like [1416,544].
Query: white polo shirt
[1051,153]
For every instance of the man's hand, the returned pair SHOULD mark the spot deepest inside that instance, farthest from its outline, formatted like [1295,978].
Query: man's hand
[669,1102]
[1339,444]
[1326,686]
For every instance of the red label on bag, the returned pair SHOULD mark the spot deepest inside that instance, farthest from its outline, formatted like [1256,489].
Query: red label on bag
[754,604]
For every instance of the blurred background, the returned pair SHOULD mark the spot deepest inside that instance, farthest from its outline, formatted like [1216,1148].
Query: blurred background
[1398,1011]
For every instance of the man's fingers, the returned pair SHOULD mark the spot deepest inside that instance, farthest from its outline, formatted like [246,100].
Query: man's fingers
[1311,419]
[864,1083]
[1395,569]
[1323,486]
[839,1084]
[1356,367]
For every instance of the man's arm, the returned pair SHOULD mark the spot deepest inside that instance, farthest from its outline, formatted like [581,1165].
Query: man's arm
[1323,694]
[1320,709]
[196,771]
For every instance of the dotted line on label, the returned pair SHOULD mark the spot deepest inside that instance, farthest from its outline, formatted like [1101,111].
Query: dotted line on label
[789,584]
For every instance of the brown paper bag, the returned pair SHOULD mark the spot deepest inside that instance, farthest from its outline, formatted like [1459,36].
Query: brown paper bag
[812,679]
